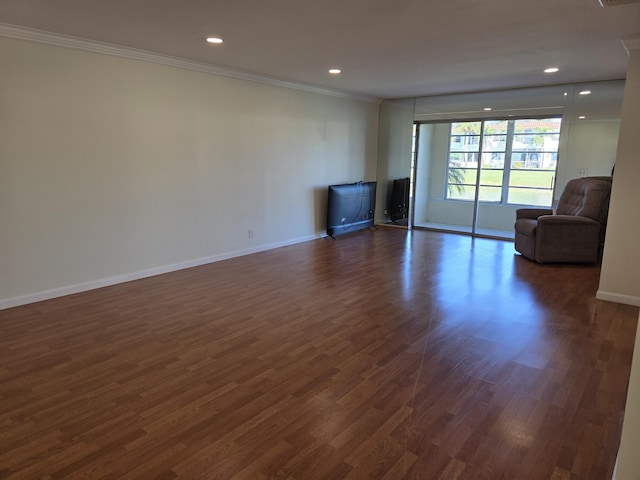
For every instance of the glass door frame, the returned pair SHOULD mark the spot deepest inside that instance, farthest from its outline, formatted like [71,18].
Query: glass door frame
[506,166]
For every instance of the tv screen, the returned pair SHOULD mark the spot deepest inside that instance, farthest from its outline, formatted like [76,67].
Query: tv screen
[350,207]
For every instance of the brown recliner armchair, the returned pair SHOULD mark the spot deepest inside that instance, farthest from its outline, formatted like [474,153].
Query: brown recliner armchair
[575,232]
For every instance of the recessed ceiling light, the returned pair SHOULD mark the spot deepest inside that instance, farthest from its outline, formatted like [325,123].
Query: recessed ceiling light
[214,40]
[585,92]
[335,71]
[487,109]
[582,117]
[551,70]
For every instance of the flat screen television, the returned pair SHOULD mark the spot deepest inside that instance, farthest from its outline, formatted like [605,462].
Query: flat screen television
[350,207]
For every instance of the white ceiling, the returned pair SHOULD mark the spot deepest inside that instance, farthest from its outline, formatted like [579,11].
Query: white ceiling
[386,49]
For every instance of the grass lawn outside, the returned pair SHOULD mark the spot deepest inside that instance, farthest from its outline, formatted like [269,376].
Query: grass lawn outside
[526,187]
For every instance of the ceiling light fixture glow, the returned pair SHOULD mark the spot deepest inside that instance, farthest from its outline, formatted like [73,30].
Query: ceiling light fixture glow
[582,117]
[214,40]
[551,70]
[613,3]
[585,92]
[335,71]
[487,109]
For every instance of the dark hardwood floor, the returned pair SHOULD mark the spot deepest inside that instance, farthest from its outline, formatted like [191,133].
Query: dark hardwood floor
[384,355]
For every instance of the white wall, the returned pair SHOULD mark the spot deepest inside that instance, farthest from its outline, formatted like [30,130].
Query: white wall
[394,149]
[591,145]
[114,168]
[628,463]
[620,275]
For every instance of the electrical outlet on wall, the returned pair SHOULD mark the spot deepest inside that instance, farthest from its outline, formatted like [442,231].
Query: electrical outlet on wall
[583,172]
[251,233]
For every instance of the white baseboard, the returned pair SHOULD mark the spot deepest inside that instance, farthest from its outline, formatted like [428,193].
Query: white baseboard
[127,277]
[618,298]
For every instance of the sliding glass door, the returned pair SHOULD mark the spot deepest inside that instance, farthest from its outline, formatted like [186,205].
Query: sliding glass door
[488,169]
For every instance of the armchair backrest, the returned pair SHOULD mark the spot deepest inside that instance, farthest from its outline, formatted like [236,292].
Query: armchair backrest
[586,197]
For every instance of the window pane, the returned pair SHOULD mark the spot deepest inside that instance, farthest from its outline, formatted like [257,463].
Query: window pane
[465,143]
[528,196]
[539,151]
[537,141]
[463,159]
[491,177]
[461,183]
[465,128]
[528,142]
[537,160]
[526,160]
[493,160]
[538,125]
[532,179]
[494,143]
[491,185]
[461,192]
[531,187]
[495,126]
[456,159]
[461,176]
[490,194]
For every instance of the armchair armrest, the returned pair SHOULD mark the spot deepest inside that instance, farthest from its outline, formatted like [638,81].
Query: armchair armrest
[532,213]
[570,220]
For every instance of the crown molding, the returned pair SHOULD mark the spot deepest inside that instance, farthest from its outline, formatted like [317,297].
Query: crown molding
[59,40]
[632,42]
